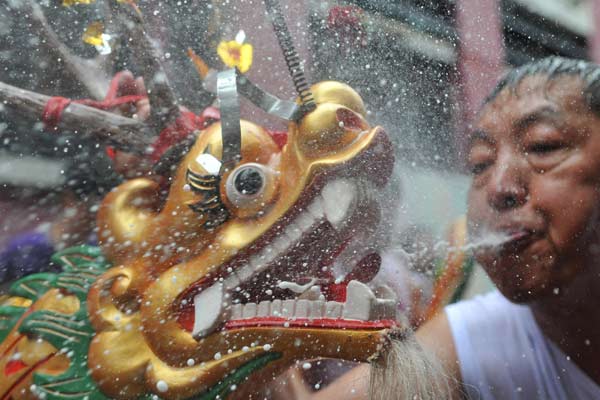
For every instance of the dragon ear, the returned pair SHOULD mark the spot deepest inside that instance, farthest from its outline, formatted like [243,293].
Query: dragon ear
[335,123]
[338,93]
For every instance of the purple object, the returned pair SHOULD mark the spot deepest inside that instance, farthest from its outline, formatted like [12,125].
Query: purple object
[26,253]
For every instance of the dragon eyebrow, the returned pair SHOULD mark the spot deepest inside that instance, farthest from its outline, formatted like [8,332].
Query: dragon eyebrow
[211,204]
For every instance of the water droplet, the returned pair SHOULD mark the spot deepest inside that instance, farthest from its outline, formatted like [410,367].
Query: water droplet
[162,386]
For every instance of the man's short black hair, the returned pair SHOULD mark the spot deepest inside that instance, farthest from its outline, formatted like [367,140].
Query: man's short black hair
[552,68]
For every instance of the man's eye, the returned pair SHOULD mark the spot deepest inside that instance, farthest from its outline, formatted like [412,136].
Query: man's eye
[544,147]
[478,168]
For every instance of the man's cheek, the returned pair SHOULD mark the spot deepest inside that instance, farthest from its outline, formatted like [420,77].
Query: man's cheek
[571,228]
[478,213]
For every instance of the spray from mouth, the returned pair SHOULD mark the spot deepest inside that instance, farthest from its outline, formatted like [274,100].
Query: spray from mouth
[482,240]
[488,239]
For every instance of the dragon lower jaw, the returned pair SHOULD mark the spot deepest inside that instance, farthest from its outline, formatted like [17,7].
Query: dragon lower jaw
[361,305]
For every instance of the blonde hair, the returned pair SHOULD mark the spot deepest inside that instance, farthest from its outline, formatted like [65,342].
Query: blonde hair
[404,370]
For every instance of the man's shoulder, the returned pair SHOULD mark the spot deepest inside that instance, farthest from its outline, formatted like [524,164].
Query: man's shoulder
[485,318]
[483,306]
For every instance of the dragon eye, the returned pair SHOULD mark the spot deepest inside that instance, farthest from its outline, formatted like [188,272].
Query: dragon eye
[249,187]
[249,180]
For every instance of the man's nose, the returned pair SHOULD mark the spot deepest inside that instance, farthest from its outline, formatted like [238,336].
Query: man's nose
[507,188]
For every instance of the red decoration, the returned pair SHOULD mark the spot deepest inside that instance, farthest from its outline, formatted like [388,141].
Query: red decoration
[52,113]
[181,128]
[346,22]
[186,123]
[279,137]
[13,366]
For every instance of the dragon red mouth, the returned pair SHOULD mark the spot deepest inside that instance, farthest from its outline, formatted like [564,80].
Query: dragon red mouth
[264,290]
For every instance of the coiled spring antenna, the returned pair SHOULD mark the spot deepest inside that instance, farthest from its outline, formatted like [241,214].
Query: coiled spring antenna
[290,55]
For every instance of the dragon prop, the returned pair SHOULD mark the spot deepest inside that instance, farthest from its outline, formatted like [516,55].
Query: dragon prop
[230,275]
[226,274]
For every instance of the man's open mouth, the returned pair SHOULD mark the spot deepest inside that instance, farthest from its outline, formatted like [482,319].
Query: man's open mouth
[288,282]
[518,240]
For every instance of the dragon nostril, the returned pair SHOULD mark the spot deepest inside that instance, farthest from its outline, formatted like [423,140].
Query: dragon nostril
[349,119]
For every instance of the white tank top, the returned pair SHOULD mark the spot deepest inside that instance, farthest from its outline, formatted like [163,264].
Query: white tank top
[503,354]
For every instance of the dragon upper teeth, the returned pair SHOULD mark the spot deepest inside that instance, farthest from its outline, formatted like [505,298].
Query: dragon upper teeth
[304,221]
[244,273]
[316,208]
[209,309]
[338,196]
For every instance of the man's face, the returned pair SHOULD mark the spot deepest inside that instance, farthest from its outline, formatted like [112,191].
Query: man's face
[535,159]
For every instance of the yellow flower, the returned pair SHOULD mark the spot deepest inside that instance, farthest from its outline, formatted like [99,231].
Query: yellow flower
[93,34]
[69,3]
[235,54]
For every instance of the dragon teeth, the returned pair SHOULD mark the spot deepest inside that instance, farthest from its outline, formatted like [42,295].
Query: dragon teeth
[249,310]
[231,282]
[264,309]
[287,308]
[209,310]
[315,209]
[361,304]
[244,273]
[236,311]
[293,233]
[255,263]
[316,309]
[301,310]
[359,299]
[281,243]
[338,197]
[304,221]
[276,308]
[333,309]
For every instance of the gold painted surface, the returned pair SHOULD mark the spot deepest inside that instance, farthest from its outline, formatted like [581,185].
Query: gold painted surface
[15,301]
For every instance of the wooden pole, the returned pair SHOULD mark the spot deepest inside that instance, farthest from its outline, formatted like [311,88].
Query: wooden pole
[124,133]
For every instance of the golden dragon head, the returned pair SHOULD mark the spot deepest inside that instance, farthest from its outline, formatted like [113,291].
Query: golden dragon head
[232,272]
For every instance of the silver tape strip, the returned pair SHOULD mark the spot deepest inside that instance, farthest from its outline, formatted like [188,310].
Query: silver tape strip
[273,105]
[229,104]
[229,83]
